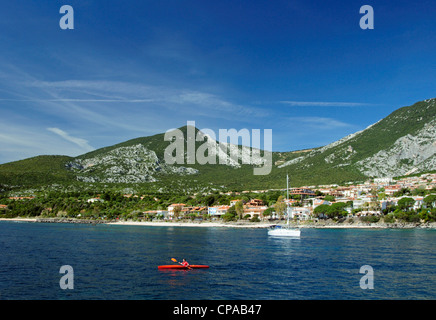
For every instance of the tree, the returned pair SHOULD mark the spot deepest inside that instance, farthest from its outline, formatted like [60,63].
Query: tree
[402,192]
[267,212]
[239,208]
[232,211]
[176,211]
[425,215]
[337,210]
[374,205]
[382,196]
[329,198]
[420,191]
[430,201]
[280,206]
[230,215]
[405,203]
[209,200]
[318,193]
[389,218]
[321,210]
[333,211]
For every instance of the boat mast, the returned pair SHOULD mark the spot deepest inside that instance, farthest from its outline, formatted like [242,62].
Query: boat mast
[287,197]
[287,187]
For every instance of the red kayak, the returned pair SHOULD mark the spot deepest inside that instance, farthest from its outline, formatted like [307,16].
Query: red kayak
[175,266]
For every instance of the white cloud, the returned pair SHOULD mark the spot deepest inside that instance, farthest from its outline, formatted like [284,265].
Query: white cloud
[82,143]
[324,104]
[183,101]
[319,122]
[21,141]
[81,100]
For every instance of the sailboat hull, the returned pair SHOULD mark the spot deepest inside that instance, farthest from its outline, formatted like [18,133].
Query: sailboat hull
[280,231]
[284,232]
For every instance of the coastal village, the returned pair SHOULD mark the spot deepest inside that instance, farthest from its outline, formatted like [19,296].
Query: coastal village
[366,199]
[369,199]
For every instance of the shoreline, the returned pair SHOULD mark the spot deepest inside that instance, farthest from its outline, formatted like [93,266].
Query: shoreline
[248,225]
[19,219]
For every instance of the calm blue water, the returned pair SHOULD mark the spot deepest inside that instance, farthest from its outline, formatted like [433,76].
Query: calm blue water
[120,262]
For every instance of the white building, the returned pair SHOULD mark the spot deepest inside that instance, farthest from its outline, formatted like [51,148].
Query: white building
[233,202]
[171,208]
[217,211]
[156,213]
[419,203]
[385,181]
[318,202]
[301,213]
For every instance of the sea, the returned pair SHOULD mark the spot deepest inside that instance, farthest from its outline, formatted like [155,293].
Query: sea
[110,262]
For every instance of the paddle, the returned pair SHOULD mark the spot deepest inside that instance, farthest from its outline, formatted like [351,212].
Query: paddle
[173,259]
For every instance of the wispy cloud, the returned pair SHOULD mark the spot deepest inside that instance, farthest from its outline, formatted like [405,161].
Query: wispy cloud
[82,143]
[19,141]
[325,104]
[103,111]
[319,122]
[170,98]
[81,100]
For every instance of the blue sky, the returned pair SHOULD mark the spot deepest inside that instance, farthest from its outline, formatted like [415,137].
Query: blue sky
[304,69]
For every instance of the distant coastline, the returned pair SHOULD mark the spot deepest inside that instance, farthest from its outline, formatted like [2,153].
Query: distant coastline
[257,225]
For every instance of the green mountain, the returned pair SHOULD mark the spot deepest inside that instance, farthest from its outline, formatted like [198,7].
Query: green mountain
[400,144]
[38,170]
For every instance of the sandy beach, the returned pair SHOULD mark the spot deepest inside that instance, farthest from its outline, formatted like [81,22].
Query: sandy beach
[153,224]
[251,225]
[241,225]
[192,224]
[19,219]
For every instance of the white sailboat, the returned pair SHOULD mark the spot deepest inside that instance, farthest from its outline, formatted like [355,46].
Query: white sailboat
[285,231]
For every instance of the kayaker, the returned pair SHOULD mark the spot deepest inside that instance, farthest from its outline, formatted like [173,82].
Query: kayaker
[184,263]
